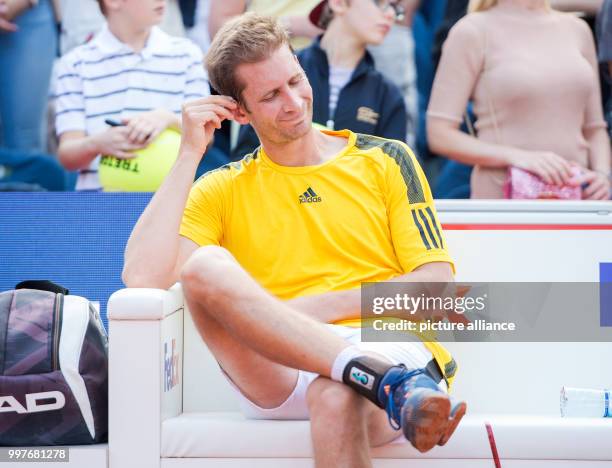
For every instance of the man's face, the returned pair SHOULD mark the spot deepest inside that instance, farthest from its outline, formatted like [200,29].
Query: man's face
[144,13]
[277,97]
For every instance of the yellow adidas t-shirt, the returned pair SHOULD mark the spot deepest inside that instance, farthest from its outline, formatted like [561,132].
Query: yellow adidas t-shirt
[365,215]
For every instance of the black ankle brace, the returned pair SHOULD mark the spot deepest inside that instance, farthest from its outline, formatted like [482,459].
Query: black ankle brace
[364,374]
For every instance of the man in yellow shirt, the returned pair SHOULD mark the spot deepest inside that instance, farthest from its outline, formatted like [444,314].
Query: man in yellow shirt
[271,251]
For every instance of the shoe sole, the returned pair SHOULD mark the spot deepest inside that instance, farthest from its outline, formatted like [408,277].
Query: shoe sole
[456,415]
[427,422]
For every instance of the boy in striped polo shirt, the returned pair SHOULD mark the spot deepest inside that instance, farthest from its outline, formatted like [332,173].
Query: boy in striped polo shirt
[131,72]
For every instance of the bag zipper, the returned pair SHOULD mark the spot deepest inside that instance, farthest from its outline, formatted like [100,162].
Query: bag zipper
[59,302]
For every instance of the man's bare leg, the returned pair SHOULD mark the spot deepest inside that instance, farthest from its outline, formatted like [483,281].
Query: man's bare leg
[264,382]
[216,286]
[344,425]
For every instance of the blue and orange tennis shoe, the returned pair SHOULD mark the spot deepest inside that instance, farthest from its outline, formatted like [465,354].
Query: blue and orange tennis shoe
[415,404]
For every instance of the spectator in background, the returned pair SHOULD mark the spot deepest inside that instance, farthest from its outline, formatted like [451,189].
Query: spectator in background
[394,58]
[28,45]
[293,14]
[348,92]
[453,180]
[426,22]
[131,72]
[198,31]
[82,19]
[604,39]
[532,75]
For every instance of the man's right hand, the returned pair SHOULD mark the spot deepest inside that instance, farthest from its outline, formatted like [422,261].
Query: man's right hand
[200,120]
[115,142]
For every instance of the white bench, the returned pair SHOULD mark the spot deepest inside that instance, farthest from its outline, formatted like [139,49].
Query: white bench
[174,409]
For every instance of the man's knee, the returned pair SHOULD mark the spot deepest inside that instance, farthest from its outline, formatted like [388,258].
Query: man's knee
[204,275]
[332,400]
[203,267]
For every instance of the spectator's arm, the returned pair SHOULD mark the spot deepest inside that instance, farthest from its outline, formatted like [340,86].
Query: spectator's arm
[221,11]
[76,150]
[445,138]
[460,67]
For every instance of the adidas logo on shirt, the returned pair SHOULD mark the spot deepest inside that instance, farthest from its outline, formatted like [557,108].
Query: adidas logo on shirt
[309,196]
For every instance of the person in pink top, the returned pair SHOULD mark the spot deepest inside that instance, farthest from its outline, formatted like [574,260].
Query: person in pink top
[531,73]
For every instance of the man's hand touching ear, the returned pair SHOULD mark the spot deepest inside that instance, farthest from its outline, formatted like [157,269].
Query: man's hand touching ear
[200,120]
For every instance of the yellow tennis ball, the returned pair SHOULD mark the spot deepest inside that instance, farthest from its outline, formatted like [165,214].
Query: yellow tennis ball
[145,172]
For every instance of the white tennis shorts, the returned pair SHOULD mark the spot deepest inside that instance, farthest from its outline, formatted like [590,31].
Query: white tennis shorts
[412,354]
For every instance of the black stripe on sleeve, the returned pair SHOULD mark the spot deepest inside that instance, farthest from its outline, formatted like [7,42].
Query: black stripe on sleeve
[418,224]
[428,227]
[435,225]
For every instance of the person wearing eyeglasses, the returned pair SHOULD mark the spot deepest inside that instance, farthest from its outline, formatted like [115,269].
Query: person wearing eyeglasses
[349,92]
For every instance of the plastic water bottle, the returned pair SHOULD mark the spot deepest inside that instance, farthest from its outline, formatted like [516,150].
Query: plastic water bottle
[585,403]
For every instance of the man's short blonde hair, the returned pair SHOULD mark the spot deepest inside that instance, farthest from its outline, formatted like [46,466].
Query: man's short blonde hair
[249,38]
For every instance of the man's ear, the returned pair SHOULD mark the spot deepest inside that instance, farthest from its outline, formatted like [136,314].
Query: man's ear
[240,115]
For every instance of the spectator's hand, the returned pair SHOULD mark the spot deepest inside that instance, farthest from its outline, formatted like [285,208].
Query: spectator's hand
[597,185]
[7,26]
[115,142]
[200,119]
[144,128]
[552,168]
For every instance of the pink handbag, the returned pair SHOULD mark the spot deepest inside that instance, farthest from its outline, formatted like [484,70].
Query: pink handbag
[522,184]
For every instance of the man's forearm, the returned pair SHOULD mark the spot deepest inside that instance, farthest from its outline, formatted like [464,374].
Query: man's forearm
[330,307]
[335,306]
[152,250]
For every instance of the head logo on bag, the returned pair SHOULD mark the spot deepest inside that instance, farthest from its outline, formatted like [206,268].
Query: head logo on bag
[53,368]
[34,403]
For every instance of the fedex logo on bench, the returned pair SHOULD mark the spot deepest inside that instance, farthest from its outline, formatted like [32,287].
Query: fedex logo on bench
[171,366]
